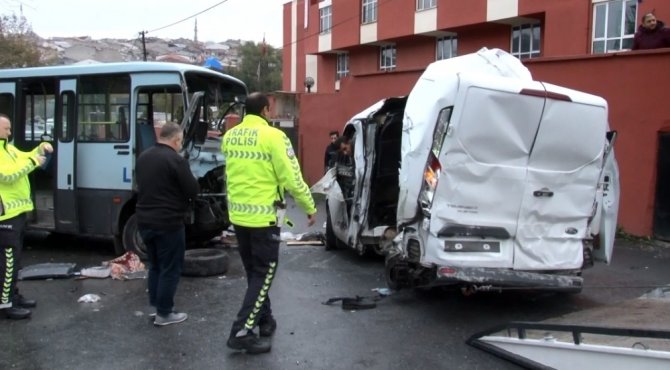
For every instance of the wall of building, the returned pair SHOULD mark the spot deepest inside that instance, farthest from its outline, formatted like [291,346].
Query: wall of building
[395,19]
[347,23]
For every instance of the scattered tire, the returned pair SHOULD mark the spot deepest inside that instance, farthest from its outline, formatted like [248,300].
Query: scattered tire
[205,262]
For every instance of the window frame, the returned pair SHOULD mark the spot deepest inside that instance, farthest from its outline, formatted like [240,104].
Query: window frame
[368,11]
[453,47]
[325,20]
[393,58]
[341,66]
[531,52]
[623,37]
[422,5]
[99,98]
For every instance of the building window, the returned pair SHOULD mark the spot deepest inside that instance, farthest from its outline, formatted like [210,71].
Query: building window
[425,4]
[446,47]
[526,41]
[342,65]
[387,57]
[326,16]
[613,25]
[369,11]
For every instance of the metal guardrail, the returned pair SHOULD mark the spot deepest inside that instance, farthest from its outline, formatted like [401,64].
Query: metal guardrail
[521,328]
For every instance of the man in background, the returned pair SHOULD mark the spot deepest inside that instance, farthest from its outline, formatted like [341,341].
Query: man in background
[331,151]
[652,34]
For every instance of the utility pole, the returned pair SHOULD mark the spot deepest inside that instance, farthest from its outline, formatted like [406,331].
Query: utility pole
[144,45]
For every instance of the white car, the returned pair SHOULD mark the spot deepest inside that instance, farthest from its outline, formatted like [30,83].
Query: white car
[481,178]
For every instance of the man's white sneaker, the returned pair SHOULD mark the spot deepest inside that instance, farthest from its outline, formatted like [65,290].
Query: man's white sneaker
[172,318]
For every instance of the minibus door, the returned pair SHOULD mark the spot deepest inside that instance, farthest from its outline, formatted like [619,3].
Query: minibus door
[65,200]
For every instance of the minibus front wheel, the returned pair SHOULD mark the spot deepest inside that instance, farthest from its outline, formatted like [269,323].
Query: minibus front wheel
[131,239]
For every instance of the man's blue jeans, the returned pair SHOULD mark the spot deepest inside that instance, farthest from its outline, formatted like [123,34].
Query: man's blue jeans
[165,249]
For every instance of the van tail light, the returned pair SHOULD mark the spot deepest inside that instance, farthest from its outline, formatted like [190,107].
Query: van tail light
[431,176]
[431,173]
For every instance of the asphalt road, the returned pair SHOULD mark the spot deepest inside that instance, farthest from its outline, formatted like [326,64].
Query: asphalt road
[407,330]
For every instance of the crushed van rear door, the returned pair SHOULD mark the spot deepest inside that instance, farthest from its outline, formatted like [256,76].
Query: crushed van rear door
[483,160]
[563,173]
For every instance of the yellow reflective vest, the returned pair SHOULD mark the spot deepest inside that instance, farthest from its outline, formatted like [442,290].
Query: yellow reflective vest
[260,165]
[15,165]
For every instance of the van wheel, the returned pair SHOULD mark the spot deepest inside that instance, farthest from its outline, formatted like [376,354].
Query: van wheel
[132,241]
[391,272]
[205,262]
[362,249]
[331,239]
[377,249]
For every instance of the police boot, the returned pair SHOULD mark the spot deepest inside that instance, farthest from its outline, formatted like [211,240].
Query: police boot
[267,326]
[16,313]
[249,342]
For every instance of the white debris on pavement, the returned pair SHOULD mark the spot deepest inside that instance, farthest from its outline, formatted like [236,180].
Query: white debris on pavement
[88,298]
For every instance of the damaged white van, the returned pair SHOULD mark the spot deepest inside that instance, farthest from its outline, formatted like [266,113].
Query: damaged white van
[481,178]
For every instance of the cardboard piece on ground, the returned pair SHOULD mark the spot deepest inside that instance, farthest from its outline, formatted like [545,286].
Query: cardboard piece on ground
[304,242]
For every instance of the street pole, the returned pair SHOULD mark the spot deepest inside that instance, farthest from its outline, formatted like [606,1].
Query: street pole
[144,45]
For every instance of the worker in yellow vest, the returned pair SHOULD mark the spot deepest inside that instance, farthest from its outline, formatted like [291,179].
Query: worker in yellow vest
[260,166]
[15,202]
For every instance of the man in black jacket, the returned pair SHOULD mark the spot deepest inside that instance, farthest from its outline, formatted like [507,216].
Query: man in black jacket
[331,151]
[165,187]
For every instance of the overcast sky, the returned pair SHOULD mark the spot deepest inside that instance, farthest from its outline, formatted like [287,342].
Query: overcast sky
[124,19]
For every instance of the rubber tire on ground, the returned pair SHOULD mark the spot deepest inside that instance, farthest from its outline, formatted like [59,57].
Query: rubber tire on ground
[132,241]
[205,262]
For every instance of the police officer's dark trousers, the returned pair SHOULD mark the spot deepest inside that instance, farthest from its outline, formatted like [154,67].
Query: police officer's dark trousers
[11,244]
[259,251]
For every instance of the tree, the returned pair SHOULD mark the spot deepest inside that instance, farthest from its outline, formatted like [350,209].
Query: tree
[259,67]
[18,43]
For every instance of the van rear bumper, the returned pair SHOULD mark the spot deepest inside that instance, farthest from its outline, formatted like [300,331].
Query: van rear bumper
[497,277]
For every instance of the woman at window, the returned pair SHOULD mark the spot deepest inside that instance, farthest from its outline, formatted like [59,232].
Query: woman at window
[651,34]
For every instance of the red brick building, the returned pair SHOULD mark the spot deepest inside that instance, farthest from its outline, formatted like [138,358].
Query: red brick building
[342,55]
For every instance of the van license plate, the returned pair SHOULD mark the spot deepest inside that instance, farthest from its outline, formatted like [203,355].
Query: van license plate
[471,246]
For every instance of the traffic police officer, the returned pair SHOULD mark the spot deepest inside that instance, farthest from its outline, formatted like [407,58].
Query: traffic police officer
[15,202]
[260,166]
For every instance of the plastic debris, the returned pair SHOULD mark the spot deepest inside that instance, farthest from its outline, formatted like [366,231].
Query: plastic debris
[382,291]
[311,236]
[287,235]
[88,298]
[47,271]
[100,272]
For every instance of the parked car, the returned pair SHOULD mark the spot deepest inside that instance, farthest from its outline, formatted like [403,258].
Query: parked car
[480,177]
[38,128]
